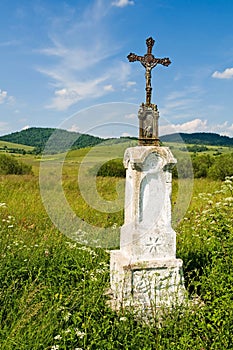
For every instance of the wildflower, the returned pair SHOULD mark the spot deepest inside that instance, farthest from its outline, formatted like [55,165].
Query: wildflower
[68,330]
[2,205]
[55,347]
[79,333]
[58,337]
[229,199]
[205,211]
[71,245]
[67,316]
[93,277]
[123,318]
[46,252]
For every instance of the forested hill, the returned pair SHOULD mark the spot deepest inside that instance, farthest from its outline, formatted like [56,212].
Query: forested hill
[203,138]
[64,140]
[60,141]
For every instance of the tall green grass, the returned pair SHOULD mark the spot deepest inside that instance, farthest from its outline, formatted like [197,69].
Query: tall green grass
[52,290]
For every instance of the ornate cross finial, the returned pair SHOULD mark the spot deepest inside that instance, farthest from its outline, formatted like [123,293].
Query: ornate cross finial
[149,62]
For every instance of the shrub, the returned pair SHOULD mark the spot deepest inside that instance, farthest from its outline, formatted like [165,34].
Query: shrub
[222,167]
[201,164]
[113,167]
[10,165]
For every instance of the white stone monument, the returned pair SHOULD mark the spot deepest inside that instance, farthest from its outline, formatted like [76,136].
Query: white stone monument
[144,272]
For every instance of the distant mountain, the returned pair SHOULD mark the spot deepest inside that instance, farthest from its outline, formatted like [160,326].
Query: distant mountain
[200,138]
[59,140]
[63,140]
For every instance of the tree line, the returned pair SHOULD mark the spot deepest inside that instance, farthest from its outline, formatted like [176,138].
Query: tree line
[201,166]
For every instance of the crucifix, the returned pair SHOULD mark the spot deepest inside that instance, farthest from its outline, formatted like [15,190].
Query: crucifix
[148,113]
[149,62]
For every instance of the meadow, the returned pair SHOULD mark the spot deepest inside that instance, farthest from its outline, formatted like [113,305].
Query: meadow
[53,289]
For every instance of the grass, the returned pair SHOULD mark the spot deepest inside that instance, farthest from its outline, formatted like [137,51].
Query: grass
[52,291]
[11,145]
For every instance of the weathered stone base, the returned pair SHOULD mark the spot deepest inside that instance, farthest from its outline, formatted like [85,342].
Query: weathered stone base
[146,285]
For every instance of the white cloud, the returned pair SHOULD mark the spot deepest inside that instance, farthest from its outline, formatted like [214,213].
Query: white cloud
[190,126]
[226,74]
[130,83]
[183,104]
[131,116]
[75,92]
[108,87]
[3,96]
[83,71]
[197,125]
[74,128]
[25,127]
[9,43]
[122,3]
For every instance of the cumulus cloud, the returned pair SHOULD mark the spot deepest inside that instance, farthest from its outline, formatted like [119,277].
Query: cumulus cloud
[25,127]
[197,125]
[74,128]
[122,3]
[226,74]
[5,98]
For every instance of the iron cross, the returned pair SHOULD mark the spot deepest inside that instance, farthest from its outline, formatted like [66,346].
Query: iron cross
[149,62]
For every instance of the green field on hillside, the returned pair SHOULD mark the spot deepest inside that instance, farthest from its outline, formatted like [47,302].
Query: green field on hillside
[53,289]
[4,146]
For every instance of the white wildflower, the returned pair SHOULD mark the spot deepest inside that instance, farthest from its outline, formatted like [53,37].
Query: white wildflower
[71,245]
[228,199]
[79,333]
[218,204]
[58,337]
[68,330]
[123,318]
[55,347]
[67,316]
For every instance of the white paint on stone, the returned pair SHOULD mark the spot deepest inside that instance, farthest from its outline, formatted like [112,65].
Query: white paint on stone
[145,270]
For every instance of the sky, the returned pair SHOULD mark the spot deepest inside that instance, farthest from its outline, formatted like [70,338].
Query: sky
[64,64]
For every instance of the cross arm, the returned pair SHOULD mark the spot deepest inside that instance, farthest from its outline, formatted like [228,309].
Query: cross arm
[132,57]
[164,61]
[149,59]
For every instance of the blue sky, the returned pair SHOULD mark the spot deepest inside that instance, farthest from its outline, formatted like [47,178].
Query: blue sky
[62,57]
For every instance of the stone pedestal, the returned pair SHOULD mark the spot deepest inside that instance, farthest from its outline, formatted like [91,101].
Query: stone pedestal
[145,271]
